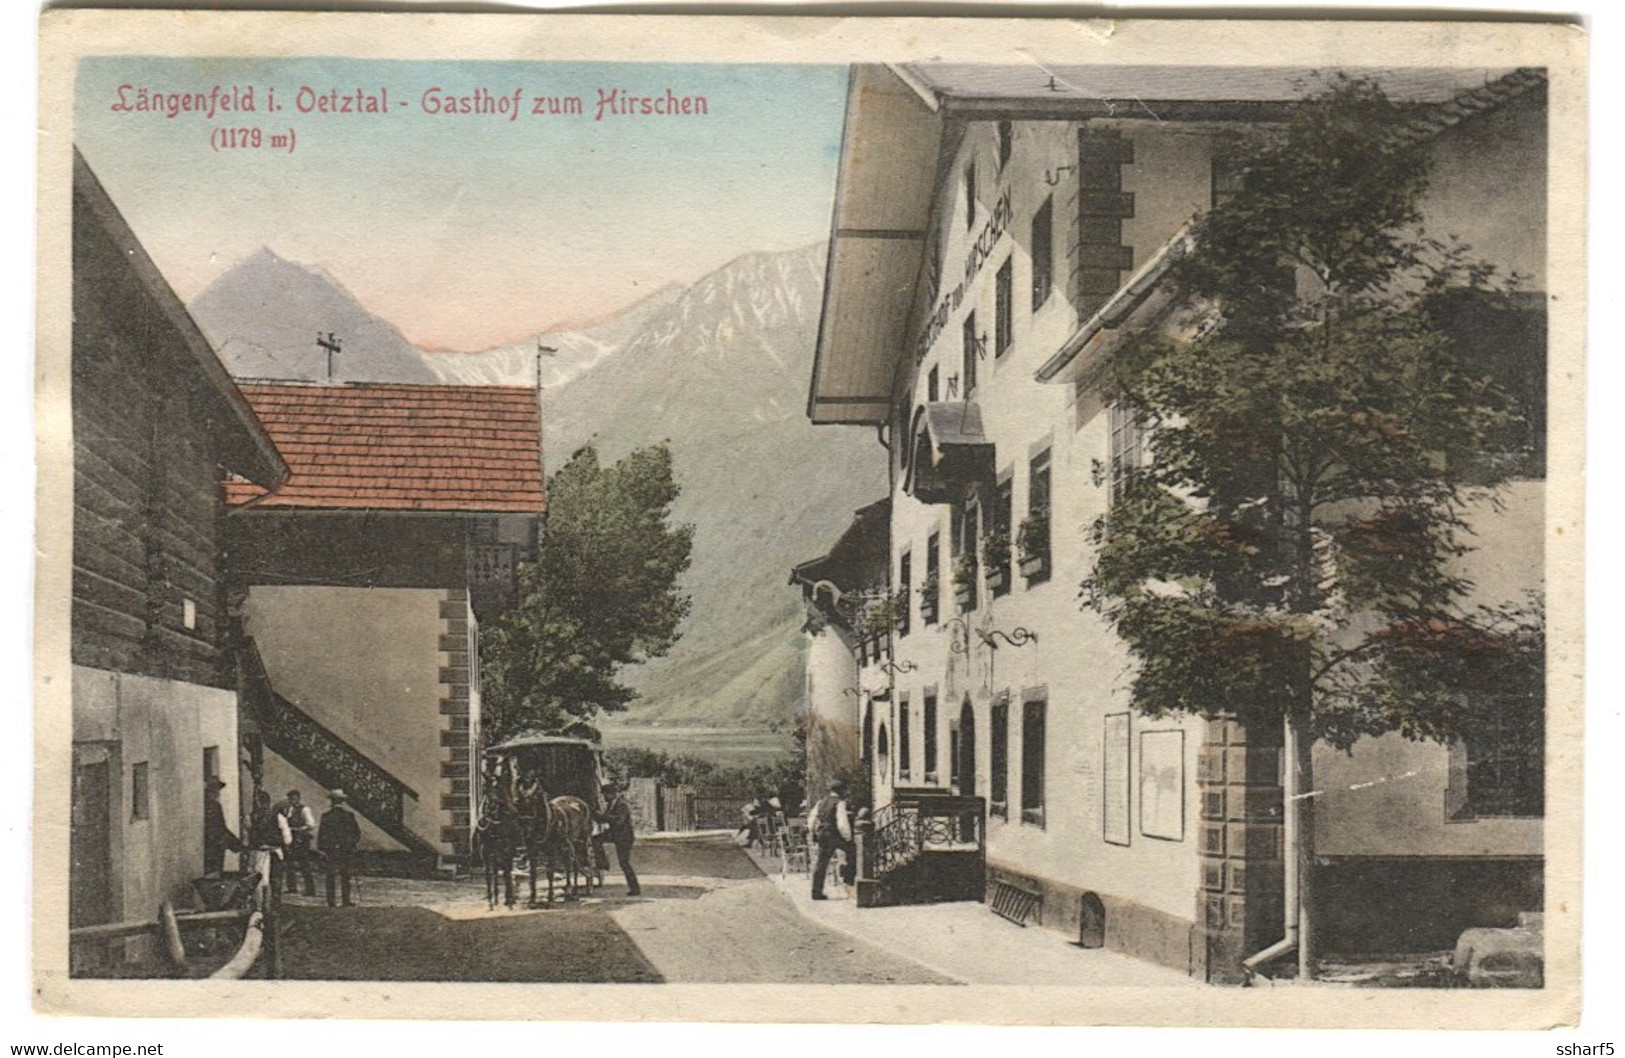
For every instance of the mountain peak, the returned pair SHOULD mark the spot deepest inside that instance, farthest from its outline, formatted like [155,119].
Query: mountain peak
[263,315]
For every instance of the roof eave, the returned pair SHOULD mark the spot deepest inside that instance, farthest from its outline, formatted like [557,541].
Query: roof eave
[887,114]
[262,507]
[248,447]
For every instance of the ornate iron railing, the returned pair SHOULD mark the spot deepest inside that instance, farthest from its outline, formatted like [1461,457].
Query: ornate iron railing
[915,823]
[310,746]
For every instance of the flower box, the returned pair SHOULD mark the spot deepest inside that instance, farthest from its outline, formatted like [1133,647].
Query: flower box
[1035,567]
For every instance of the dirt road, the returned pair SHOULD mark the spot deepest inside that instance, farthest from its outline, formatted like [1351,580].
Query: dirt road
[707,915]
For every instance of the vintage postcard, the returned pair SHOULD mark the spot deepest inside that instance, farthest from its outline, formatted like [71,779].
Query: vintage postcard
[1056,522]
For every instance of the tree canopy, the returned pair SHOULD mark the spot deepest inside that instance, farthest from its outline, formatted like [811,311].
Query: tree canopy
[1318,443]
[601,595]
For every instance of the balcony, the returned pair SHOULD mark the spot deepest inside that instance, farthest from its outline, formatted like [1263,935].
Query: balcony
[947,452]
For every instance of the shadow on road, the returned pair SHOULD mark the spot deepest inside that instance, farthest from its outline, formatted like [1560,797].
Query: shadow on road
[416,944]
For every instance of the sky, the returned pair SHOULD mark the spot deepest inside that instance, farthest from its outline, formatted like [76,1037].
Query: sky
[467,230]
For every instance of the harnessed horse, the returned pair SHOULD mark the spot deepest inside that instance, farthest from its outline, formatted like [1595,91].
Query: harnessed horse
[495,842]
[558,832]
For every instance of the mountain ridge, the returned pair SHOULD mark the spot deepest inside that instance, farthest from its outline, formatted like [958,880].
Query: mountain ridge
[264,314]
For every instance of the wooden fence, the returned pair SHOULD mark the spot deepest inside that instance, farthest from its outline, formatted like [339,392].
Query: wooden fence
[671,808]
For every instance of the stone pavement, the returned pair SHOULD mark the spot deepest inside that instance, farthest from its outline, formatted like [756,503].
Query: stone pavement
[968,943]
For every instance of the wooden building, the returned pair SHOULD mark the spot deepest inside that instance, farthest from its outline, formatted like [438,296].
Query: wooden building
[998,233]
[155,708]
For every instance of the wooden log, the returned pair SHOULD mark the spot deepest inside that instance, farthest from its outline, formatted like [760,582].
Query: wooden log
[185,920]
[171,930]
[247,952]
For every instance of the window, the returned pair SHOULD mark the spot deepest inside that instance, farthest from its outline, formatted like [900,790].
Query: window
[970,195]
[998,767]
[140,795]
[930,720]
[931,590]
[1007,136]
[931,388]
[904,579]
[1002,327]
[211,763]
[1032,762]
[967,568]
[1033,540]
[885,752]
[1500,772]
[1127,447]
[904,758]
[1502,336]
[972,351]
[1043,253]
[997,544]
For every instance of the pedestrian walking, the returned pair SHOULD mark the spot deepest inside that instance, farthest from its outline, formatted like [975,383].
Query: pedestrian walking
[301,832]
[337,840]
[617,815]
[831,824]
[217,836]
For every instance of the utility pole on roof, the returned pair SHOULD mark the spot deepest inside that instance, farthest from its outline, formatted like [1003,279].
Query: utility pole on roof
[330,343]
[542,350]
[541,424]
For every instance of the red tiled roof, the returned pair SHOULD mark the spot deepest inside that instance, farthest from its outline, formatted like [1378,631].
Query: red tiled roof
[377,446]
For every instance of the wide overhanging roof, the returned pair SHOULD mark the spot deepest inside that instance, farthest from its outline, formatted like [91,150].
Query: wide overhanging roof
[1159,93]
[882,205]
[901,122]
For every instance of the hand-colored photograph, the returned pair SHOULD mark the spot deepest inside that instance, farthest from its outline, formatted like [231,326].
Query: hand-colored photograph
[948,518]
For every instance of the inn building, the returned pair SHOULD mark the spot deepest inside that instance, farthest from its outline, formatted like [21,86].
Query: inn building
[998,233]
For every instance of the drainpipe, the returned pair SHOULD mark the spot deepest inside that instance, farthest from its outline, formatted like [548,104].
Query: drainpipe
[1295,805]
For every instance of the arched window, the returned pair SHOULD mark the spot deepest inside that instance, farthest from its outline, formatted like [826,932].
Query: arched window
[868,736]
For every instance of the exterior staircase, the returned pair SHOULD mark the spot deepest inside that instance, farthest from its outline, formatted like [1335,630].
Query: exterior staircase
[307,744]
[926,846]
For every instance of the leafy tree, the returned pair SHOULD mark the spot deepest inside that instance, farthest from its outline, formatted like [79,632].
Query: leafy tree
[601,595]
[781,776]
[1318,440]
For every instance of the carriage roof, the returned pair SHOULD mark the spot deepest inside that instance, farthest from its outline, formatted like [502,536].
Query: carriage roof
[527,741]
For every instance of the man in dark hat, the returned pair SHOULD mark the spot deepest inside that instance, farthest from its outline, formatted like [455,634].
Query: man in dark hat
[217,837]
[336,840]
[831,826]
[617,815]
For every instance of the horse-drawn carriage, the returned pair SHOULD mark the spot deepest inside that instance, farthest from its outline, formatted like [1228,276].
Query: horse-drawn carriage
[539,795]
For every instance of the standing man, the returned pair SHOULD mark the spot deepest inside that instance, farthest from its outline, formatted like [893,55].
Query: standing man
[831,827]
[339,836]
[268,837]
[217,837]
[301,829]
[617,814]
